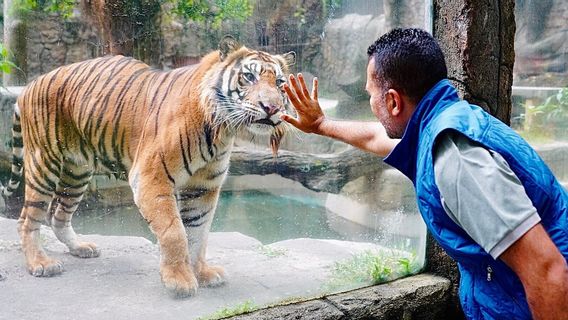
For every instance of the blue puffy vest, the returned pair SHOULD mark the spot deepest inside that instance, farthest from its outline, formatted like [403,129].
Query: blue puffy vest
[489,289]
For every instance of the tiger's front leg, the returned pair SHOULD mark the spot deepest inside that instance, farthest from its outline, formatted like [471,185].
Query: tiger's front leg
[197,208]
[154,196]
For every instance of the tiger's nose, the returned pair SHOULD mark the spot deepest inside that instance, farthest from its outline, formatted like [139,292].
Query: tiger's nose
[269,109]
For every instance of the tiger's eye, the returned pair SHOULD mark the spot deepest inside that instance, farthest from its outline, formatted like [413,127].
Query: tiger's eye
[249,77]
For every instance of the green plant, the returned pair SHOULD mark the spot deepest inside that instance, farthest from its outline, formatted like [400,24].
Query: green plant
[555,108]
[370,267]
[212,12]
[406,265]
[64,7]
[245,307]
[330,6]
[272,252]
[6,65]
[550,117]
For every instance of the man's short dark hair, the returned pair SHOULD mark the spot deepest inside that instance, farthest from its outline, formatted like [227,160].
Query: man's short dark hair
[409,60]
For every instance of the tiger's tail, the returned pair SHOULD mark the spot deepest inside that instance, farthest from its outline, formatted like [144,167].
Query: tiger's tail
[17,156]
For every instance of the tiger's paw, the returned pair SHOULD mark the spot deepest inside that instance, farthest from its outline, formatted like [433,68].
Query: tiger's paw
[211,276]
[85,250]
[45,267]
[179,280]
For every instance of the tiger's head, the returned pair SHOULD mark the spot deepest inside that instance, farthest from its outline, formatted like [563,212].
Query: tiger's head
[248,91]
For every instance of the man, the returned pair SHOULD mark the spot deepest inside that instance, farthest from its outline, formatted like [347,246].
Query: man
[484,193]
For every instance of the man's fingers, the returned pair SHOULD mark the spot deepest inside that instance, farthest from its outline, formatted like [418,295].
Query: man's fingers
[291,95]
[315,88]
[303,86]
[289,119]
[294,84]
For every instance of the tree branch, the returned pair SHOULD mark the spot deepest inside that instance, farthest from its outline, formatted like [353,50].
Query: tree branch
[324,172]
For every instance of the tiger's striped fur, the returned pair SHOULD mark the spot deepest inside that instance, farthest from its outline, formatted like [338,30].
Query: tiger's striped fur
[169,133]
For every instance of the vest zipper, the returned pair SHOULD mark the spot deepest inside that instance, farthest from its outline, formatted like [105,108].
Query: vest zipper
[490,278]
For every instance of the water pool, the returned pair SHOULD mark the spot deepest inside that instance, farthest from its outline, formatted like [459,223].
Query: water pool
[266,216]
[262,215]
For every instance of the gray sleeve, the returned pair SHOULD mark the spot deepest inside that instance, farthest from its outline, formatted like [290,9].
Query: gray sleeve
[481,193]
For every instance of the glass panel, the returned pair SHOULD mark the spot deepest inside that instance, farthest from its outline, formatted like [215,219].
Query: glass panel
[321,217]
[541,65]
[540,83]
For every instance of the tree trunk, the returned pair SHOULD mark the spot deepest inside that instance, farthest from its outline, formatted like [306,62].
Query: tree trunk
[129,28]
[322,173]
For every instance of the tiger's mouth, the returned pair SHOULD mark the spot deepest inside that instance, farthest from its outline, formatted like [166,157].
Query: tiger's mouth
[266,121]
[265,126]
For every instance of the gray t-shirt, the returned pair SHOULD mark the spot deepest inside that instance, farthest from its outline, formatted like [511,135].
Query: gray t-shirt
[481,194]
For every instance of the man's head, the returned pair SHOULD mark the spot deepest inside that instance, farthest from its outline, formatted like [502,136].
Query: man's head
[403,65]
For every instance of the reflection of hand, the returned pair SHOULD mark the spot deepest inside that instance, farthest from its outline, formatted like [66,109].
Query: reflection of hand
[310,115]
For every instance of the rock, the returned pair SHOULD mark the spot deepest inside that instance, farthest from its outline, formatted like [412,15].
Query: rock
[346,40]
[540,48]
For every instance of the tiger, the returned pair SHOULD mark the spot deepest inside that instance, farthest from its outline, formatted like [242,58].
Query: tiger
[170,134]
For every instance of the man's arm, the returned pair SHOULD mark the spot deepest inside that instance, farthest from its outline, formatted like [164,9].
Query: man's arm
[368,136]
[543,272]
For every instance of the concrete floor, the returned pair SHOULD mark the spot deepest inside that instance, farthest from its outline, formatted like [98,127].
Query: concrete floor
[124,283]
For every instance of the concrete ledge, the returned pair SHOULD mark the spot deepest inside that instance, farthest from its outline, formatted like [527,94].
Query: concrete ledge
[422,296]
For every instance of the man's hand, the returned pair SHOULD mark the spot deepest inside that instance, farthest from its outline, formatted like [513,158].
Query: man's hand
[310,115]
[365,135]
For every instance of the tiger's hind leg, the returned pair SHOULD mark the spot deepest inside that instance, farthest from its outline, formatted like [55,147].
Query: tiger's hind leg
[68,194]
[38,195]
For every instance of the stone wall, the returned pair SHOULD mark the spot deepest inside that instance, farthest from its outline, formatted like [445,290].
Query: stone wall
[53,43]
[276,26]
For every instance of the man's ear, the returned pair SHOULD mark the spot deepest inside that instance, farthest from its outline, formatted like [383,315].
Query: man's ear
[394,101]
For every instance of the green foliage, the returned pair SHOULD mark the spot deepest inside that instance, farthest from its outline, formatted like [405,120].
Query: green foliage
[551,117]
[369,267]
[6,65]
[555,108]
[64,7]
[244,307]
[329,7]
[213,12]
[272,252]
[332,4]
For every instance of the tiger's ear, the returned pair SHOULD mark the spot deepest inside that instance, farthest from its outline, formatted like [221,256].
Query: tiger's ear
[227,45]
[289,58]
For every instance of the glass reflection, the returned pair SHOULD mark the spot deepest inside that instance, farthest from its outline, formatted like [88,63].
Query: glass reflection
[372,216]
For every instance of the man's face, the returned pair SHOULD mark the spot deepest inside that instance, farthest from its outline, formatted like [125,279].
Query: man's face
[378,102]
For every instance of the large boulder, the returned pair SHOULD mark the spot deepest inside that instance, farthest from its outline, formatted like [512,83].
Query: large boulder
[344,52]
[540,46]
